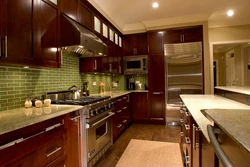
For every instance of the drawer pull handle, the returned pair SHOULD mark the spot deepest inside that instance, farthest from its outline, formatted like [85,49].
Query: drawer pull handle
[53,152]
[187,114]
[119,126]
[74,118]
[187,140]
[124,108]
[11,143]
[119,111]
[181,120]
[124,121]
[53,127]
[182,133]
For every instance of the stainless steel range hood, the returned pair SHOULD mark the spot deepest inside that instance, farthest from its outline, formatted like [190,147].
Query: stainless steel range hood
[76,38]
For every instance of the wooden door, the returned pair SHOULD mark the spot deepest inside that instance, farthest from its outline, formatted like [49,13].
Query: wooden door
[69,7]
[156,88]
[85,16]
[139,106]
[17,31]
[155,42]
[74,139]
[172,36]
[141,44]
[193,34]
[90,64]
[46,34]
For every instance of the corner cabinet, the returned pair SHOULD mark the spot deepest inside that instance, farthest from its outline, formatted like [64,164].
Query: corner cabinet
[29,33]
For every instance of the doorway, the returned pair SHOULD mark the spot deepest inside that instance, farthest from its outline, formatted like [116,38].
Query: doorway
[230,68]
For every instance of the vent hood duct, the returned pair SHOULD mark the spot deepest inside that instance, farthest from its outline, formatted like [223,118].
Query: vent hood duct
[76,38]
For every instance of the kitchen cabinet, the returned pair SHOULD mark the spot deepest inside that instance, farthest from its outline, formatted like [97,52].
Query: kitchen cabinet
[190,34]
[90,64]
[208,157]
[135,44]
[122,117]
[35,22]
[74,139]
[155,42]
[41,144]
[139,106]
[156,88]
[84,16]
[69,8]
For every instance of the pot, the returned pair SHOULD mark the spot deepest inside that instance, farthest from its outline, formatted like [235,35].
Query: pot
[76,93]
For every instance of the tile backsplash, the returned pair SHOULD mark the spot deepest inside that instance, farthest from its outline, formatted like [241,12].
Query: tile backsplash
[16,84]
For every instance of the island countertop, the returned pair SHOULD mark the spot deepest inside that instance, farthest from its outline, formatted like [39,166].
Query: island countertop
[237,89]
[235,123]
[196,103]
[11,120]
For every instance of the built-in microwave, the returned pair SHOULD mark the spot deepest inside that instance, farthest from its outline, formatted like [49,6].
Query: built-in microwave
[136,64]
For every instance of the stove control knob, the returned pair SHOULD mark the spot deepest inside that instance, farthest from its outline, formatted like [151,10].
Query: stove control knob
[92,112]
[96,110]
[102,108]
[106,106]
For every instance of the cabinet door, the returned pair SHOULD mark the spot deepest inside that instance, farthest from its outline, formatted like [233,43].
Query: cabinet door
[193,34]
[141,44]
[85,16]
[139,106]
[155,42]
[69,7]
[208,157]
[17,31]
[128,44]
[173,36]
[46,34]
[135,44]
[90,64]
[74,139]
[157,107]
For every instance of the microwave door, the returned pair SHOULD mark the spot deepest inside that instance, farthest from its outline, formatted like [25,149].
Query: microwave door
[133,65]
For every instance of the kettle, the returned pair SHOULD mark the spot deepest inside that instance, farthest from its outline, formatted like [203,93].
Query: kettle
[76,93]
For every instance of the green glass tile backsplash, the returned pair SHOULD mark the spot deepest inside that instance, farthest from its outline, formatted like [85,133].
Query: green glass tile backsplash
[16,84]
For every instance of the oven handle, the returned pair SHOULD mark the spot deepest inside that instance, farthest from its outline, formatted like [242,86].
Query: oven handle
[94,124]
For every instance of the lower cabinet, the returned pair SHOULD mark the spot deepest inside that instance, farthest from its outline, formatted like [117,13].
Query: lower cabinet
[122,117]
[139,106]
[54,142]
[42,144]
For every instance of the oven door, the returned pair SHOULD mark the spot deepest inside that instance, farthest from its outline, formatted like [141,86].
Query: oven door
[99,134]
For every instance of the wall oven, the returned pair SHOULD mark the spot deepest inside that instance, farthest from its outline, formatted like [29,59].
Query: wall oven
[136,64]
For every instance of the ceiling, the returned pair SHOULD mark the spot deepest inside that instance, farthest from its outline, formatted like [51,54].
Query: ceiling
[138,15]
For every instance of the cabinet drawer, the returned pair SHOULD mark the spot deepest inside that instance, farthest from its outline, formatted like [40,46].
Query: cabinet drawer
[54,147]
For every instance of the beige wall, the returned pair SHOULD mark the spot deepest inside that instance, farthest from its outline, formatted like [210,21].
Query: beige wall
[221,68]
[232,34]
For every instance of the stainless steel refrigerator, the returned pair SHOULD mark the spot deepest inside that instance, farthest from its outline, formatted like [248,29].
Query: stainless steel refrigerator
[183,75]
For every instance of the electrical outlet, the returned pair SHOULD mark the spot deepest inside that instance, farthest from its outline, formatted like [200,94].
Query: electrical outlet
[115,84]
[137,82]
[94,83]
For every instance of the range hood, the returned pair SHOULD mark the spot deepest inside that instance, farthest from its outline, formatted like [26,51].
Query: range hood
[76,38]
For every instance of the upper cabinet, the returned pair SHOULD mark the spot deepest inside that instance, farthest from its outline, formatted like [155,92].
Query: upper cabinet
[29,33]
[155,42]
[135,44]
[190,34]
[77,11]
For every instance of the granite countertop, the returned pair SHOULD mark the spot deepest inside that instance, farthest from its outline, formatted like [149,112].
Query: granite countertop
[11,120]
[237,89]
[235,123]
[196,103]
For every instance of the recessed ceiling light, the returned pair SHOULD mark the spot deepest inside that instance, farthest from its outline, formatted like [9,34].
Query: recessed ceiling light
[155,5]
[230,13]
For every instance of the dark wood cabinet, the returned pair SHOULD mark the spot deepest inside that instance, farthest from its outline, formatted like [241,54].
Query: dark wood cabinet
[181,35]
[85,16]
[69,8]
[208,157]
[135,44]
[16,35]
[29,33]
[74,139]
[122,117]
[90,64]
[41,144]
[155,42]
[139,106]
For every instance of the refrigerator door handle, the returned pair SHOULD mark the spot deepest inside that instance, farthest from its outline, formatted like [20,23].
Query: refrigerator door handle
[217,148]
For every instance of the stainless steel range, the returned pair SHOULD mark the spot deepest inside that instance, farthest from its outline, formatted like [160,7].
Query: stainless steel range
[97,125]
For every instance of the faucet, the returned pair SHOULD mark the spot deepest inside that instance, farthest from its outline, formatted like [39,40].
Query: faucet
[73,86]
